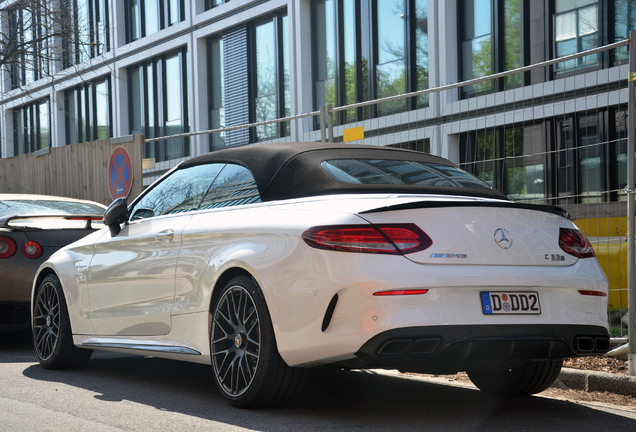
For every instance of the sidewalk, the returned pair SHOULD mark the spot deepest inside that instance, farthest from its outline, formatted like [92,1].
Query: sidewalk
[578,379]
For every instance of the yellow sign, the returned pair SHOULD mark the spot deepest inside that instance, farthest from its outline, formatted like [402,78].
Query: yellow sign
[147,163]
[354,134]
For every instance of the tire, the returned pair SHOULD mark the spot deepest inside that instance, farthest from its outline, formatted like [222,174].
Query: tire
[246,365]
[52,335]
[530,378]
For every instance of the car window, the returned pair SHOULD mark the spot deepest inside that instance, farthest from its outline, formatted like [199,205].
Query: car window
[234,186]
[26,207]
[400,172]
[181,191]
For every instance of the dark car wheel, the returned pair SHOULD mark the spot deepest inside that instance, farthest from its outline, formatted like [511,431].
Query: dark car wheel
[524,380]
[52,337]
[246,365]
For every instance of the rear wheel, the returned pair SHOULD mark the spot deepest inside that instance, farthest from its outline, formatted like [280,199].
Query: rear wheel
[524,380]
[246,365]
[52,336]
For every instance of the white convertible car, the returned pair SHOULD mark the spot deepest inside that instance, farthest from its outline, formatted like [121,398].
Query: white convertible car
[265,261]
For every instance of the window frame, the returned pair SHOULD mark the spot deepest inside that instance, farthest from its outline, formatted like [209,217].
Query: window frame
[601,38]
[497,163]
[218,104]
[366,47]
[156,67]
[136,17]
[33,64]
[498,46]
[28,119]
[575,150]
[85,103]
[82,44]
[281,129]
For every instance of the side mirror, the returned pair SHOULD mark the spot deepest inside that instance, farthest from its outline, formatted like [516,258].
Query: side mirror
[115,215]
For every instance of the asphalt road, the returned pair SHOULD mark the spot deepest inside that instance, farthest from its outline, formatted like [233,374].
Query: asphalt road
[127,393]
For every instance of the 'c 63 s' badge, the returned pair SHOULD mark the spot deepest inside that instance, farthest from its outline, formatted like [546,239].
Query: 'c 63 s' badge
[503,239]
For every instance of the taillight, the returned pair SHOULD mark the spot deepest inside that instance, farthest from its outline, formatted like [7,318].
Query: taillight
[575,243]
[401,292]
[7,247]
[392,239]
[32,250]
[593,293]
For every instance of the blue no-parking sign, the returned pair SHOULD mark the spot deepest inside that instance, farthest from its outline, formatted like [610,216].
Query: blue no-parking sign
[119,173]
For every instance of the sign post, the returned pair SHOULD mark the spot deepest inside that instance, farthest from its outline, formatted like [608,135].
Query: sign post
[631,147]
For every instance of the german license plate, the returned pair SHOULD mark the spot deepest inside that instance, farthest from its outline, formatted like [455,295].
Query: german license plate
[510,303]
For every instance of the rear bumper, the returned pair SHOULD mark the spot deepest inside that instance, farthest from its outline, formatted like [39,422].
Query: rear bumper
[449,349]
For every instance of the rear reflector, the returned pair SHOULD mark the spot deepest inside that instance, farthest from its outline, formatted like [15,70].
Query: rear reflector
[392,239]
[7,247]
[574,242]
[32,250]
[593,293]
[400,292]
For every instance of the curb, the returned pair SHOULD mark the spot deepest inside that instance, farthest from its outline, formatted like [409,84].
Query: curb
[578,379]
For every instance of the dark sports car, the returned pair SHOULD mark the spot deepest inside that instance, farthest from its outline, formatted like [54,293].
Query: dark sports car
[32,227]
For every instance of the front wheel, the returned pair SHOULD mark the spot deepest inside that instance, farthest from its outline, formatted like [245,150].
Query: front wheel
[524,380]
[52,336]
[246,365]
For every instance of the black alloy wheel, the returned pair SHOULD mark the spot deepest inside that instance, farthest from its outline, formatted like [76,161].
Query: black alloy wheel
[246,365]
[236,341]
[52,337]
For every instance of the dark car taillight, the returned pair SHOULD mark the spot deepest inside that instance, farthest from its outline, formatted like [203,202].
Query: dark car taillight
[392,239]
[32,250]
[7,247]
[575,243]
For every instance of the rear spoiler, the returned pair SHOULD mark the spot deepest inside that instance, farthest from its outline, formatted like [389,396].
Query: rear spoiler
[445,204]
[4,221]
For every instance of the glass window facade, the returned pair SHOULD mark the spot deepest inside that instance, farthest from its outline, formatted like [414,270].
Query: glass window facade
[576,29]
[209,4]
[491,40]
[159,104]
[369,49]
[573,159]
[624,17]
[511,160]
[145,17]
[86,30]
[476,42]
[29,41]
[258,93]
[32,127]
[580,159]
[272,61]
[88,111]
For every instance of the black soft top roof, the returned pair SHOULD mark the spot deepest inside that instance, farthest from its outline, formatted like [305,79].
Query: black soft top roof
[293,170]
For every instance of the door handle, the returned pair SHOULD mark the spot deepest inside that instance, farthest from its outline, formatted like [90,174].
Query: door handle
[165,236]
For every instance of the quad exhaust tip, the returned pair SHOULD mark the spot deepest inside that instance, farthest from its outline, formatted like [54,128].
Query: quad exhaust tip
[591,344]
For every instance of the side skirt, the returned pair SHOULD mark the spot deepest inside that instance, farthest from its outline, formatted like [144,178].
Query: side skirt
[134,345]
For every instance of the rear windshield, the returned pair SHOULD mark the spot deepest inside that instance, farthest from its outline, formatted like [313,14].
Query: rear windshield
[400,172]
[47,207]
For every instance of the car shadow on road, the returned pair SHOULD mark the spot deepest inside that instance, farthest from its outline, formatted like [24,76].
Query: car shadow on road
[16,347]
[330,401]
